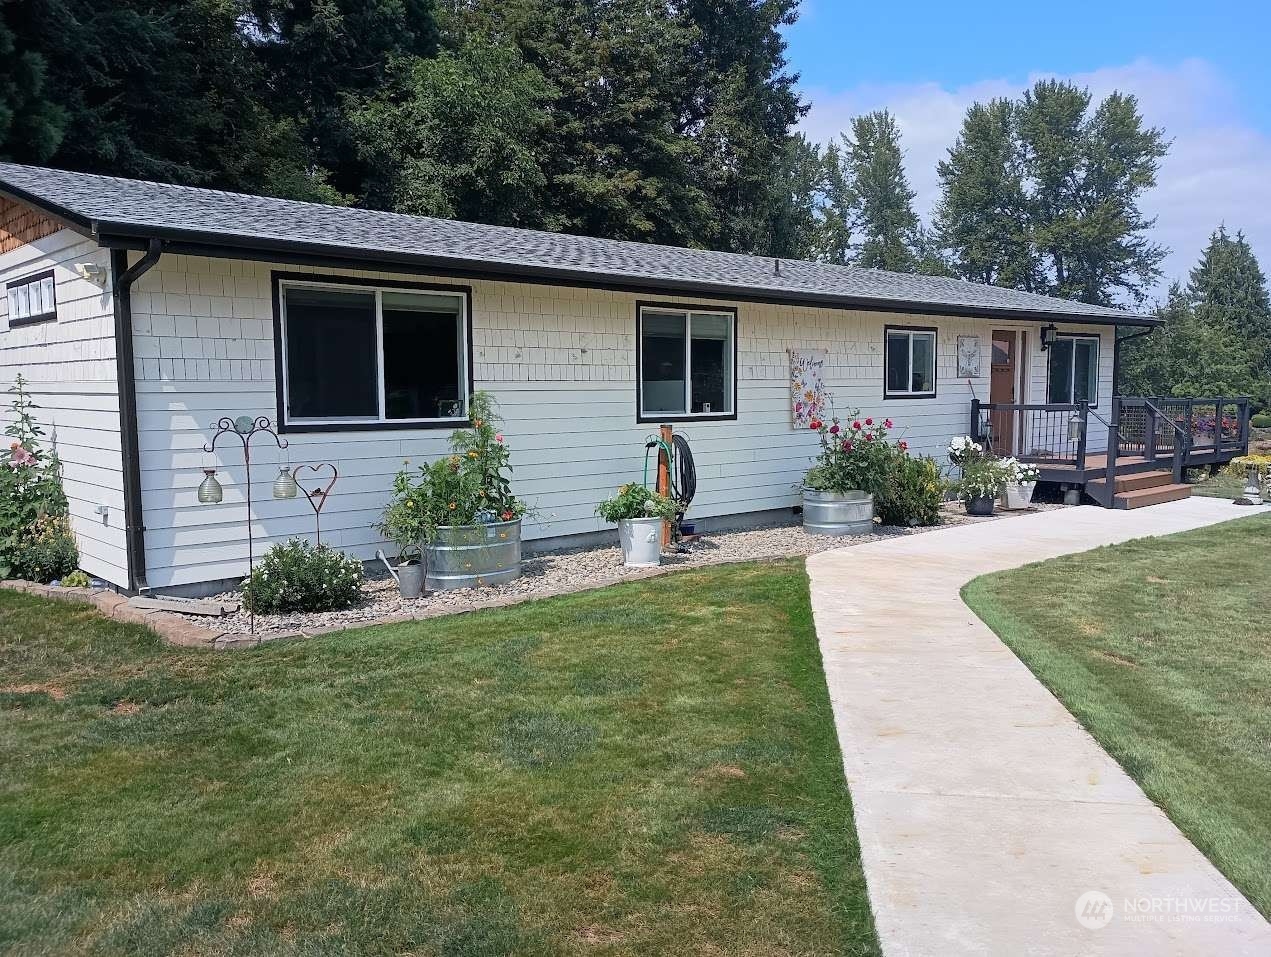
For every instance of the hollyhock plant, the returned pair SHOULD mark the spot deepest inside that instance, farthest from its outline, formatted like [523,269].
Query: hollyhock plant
[853,457]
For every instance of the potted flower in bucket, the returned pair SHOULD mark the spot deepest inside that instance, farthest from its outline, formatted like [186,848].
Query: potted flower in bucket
[639,514]
[854,462]
[462,508]
[1021,482]
[983,478]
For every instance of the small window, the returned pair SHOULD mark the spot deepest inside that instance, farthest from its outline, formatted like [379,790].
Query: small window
[1074,370]
[33,299]
[686,363]
[369,355]
[910,363]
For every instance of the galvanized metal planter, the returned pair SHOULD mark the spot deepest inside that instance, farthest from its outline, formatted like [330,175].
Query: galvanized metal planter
[470,556]
[837,513]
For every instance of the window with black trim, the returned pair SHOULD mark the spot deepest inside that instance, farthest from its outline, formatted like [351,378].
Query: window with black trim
[910,363]
[365,354]
[686,362]
[33,299]
[1073,370]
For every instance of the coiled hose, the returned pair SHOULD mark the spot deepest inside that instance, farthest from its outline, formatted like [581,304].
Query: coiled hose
[682,472]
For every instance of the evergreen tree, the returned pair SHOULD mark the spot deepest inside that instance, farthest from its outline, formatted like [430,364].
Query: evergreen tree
[838,210]
[983,212]
[1229,288]
[788,224]
[882,202]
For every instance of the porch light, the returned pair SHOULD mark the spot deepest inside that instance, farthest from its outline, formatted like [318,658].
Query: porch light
[210,491]
[285,484]
[1048,336]
[1074,427]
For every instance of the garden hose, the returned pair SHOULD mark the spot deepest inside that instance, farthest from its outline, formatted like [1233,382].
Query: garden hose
[681,472]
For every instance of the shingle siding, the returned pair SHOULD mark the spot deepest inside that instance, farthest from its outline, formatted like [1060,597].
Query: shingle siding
[561,362]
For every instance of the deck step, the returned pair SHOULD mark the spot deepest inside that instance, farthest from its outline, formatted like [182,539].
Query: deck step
[1133,481]
[1157,495]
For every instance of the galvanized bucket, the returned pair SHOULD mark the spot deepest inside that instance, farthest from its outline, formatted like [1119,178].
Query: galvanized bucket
[837,513]
[470,556]
[641,540]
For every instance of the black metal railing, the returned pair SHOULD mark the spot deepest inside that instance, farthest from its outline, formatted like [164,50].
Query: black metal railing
[1049,432]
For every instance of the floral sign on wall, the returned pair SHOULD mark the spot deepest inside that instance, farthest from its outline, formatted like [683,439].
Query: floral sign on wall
[807,385]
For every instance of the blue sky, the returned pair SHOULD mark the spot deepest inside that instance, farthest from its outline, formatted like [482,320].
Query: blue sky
[1201,70]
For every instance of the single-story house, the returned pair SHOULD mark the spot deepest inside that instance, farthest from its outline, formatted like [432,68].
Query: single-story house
[142,313]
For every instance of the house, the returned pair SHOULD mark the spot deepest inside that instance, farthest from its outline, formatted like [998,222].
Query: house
[142,313]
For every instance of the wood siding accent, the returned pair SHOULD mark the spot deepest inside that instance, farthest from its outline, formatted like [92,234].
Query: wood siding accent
[20,225]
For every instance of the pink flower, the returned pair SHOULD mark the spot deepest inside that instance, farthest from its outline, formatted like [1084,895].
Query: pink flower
[869,421]
[856,424]
[834,430]
[499,437]
[886,423]
[847,446]
[21,457]
[904,446]
[869,438]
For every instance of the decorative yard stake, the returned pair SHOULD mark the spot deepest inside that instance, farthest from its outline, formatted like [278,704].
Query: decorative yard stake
[245,428]
[318,497]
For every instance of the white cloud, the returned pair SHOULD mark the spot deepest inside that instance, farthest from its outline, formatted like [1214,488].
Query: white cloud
[1218,169]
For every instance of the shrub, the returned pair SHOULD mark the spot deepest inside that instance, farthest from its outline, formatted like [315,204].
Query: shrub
[636,501]
[45,552]
[913,494]
[76,579]
[1261,421]
[469,487]
[297,576]
[34,534]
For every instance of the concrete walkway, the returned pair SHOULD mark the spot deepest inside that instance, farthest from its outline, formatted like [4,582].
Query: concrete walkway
[984,810]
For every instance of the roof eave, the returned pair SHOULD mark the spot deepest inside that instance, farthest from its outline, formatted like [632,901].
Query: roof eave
[221,245]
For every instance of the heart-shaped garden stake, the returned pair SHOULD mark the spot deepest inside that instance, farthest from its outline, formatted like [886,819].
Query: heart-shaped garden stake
[318,496]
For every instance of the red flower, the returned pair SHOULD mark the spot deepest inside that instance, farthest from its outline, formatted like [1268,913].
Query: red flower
[886,423]
[834,430]
[869,438]
[847,446]
[869,421]
[814,424]
[904,446]
[856,424]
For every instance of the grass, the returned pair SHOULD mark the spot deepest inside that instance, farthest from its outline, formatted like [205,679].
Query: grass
[651,768]
[1161,648]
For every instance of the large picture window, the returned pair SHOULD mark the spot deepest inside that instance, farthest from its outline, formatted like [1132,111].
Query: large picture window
[910,363]
[1074,370]
[372,355]
[33,299]
[686,363]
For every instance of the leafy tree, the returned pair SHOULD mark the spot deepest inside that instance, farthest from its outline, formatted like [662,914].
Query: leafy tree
[838,210]
[881,201]
[983,214]
[457,136]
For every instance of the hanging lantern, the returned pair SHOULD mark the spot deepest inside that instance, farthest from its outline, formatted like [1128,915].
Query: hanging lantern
[1074,427]
[210,491]
[1049,334]
[285,484]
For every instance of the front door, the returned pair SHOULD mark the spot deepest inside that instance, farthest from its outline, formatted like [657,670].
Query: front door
[1003,389]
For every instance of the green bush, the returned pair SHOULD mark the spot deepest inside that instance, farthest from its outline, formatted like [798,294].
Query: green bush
[296,576]
[912,494]
[1261,421]
[636,501]
[76,579]
[45,552]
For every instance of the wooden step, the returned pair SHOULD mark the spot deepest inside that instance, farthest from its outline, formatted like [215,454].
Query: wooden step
[1133,481]
[1156,495]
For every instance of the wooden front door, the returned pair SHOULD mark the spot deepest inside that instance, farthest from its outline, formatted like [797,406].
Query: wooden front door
[1003,387]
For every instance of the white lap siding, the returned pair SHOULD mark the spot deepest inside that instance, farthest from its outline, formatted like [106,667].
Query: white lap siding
[70,365]
[561,362]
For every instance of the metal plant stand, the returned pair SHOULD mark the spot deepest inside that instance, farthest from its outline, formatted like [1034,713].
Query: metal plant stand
[244,428]
[318,497]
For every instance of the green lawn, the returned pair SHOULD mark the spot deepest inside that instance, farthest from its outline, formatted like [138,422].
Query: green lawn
[651,768]
[1162,649]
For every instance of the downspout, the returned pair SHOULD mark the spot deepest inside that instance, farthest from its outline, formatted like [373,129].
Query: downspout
[1116,355]
[126,372]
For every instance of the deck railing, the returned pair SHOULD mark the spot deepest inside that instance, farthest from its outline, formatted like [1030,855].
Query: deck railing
[1187,432]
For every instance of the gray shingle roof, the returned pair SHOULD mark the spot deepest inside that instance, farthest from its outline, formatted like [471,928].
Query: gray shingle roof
[118,209]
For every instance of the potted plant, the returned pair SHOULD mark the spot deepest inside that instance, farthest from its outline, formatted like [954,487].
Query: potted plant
[460,510]
[854,462]
[639,514]
[983,478]
[1021,482]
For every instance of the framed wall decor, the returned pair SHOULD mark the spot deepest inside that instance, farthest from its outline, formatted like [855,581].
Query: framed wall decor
[968,357]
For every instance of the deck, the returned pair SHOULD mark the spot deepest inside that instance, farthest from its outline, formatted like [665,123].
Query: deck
[1138,455]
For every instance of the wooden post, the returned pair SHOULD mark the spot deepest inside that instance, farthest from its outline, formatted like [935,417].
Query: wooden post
[664,476]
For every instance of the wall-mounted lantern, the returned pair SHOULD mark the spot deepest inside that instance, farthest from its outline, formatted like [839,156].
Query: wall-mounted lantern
[1049,334]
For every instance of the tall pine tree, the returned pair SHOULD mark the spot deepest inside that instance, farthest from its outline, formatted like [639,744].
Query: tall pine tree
[882,214]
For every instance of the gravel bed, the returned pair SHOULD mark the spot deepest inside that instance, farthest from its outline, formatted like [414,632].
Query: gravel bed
[567,570]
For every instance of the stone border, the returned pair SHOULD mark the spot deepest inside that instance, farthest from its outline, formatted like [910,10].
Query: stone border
[176,630]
